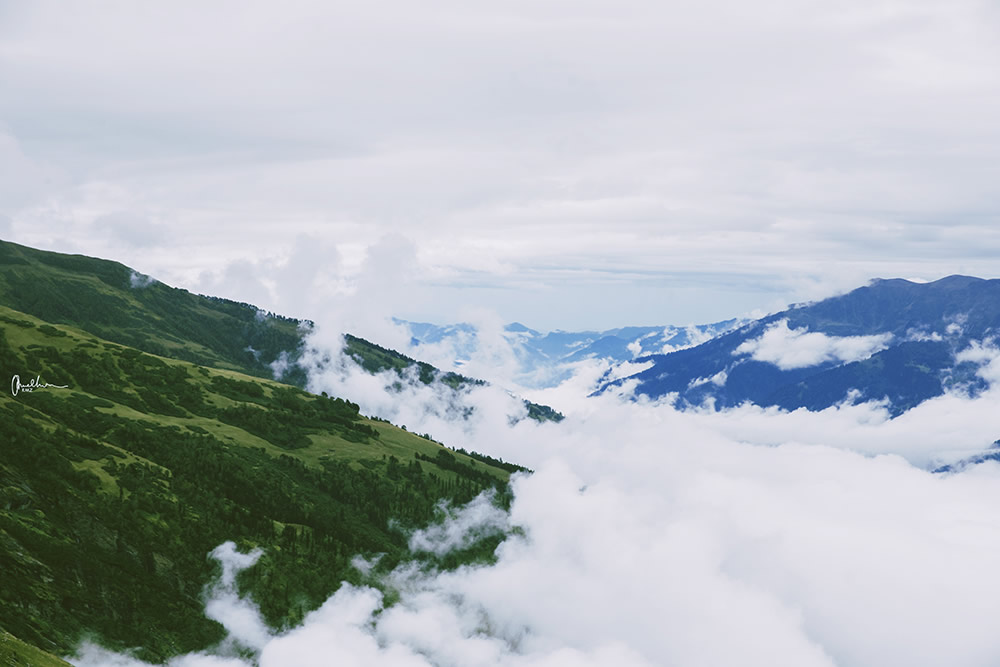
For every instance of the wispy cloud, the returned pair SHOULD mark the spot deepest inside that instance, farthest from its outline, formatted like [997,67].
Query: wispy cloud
[799,348]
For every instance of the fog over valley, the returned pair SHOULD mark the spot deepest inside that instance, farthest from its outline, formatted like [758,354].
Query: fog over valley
[528,333]
[651,535]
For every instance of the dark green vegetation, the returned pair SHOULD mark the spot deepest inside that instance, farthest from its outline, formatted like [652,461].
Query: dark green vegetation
[114,489]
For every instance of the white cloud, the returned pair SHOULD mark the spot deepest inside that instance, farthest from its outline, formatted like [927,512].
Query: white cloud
[987,356]
[280,365]
[138,280]
[652,536]
[799,348]
[921,336]
[719,380]
[694,549]
[460,529]
[801,147]
[239,616]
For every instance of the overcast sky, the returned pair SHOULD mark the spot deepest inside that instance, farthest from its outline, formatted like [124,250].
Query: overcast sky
[566,164]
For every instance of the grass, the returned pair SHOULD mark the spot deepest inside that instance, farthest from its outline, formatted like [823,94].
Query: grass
[16,653]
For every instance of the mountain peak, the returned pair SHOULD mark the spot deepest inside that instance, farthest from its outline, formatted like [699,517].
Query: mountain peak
[909,335]
[952,281]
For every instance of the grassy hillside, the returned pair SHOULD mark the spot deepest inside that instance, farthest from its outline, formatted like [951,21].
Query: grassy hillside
[15,653]
[114,488]
[112,302]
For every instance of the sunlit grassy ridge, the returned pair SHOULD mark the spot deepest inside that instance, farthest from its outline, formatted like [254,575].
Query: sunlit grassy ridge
[15,653]
[114,488]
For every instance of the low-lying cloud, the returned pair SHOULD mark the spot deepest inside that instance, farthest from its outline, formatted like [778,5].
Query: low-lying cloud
[986,355]
[650,536]
[800,348]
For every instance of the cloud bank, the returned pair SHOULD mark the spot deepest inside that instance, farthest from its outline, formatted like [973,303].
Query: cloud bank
[649,536]
[986,355]
[799,348]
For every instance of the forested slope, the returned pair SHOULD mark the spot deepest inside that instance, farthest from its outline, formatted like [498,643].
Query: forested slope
[118,480]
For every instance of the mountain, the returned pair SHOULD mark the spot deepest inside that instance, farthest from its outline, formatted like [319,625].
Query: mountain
[992,454]
[114,302]
[892,340]
[121,469]
[544,358]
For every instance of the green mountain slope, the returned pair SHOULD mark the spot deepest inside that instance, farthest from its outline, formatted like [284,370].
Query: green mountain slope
[113,302]
[15,653]
[116,482]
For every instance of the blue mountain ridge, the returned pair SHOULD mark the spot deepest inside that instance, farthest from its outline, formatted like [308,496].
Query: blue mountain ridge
[926,325]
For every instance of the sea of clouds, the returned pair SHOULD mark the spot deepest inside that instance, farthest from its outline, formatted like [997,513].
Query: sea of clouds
[652,536]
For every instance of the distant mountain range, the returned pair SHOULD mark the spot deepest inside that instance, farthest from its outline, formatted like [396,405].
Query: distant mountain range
[892,340]
[544,358]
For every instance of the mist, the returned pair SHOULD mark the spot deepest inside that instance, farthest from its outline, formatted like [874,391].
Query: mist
[650,536]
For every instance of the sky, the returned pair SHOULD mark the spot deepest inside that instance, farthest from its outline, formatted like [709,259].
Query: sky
[585,164]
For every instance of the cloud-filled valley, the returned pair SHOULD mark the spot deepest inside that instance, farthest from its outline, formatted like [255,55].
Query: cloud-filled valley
[449,244]
[649,535]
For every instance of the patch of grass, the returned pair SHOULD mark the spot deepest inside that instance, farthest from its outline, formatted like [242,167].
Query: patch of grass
[16,653]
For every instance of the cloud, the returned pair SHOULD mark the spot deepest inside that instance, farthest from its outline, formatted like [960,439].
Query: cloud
[799,348]
[280,365]
[132,229]
[138,280]
[460,529]
[239,616]
[436,408]
[652,536]
[986,355]
[719,380]
[694,550]
[802,147]
[245,629]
